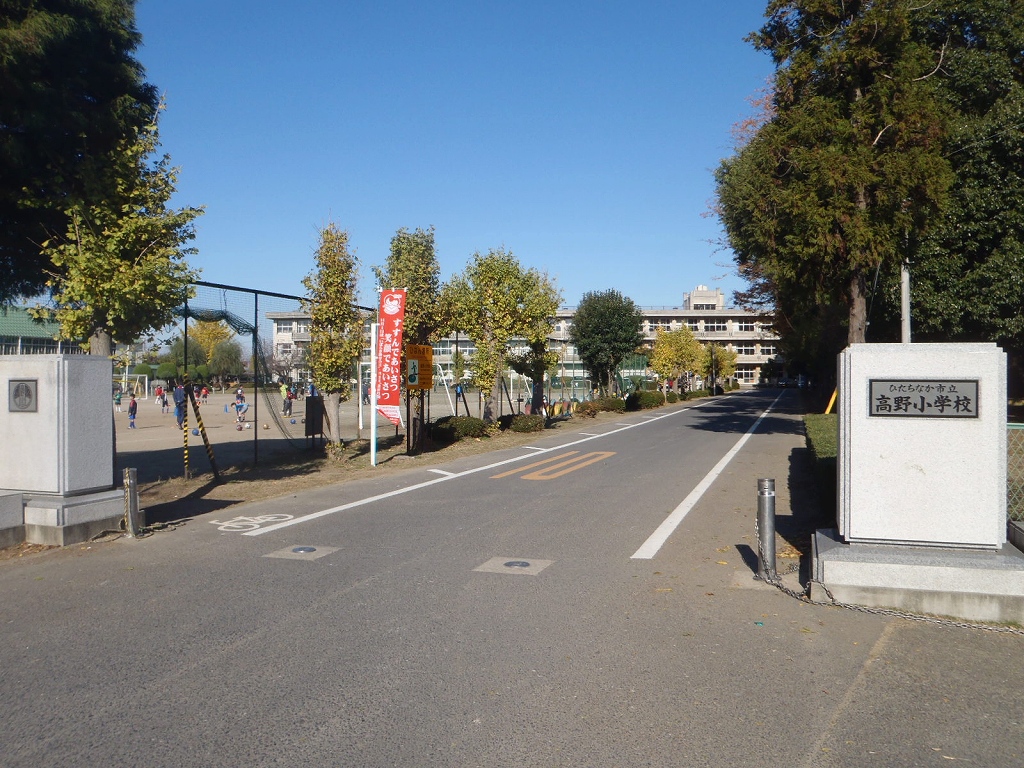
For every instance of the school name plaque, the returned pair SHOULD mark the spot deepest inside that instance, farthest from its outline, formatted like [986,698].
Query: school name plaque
[934,398]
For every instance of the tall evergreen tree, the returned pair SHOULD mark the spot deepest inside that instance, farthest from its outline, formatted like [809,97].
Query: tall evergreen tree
[850,162]
[967,274]
[71,94]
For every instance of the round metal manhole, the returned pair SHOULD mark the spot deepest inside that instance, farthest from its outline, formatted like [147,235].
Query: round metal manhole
[304,550]
[517,564]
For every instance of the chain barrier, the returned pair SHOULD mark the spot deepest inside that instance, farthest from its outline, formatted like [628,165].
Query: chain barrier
[804,596]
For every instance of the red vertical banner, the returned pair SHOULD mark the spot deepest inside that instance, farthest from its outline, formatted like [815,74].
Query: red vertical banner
[389,355]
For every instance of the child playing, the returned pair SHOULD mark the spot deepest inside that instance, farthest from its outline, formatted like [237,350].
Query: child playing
[133,408]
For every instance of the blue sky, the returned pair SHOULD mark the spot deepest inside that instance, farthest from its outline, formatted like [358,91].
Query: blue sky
[581,136]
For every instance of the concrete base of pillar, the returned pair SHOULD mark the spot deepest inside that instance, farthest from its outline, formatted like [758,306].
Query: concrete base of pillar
[64,520]
[973,585]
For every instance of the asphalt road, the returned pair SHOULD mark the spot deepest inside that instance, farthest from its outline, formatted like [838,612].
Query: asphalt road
[507,609]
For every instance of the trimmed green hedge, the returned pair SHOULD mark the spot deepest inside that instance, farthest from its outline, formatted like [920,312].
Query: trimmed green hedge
[590,408]
[527,423]
[642,401]
[451,429]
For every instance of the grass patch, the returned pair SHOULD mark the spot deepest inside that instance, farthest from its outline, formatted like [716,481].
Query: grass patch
[822,431]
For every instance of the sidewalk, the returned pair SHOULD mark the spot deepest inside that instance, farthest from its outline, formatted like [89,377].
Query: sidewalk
[873,689]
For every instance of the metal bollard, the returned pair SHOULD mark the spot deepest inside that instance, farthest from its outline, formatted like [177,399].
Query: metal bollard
[131,503]
[766,530]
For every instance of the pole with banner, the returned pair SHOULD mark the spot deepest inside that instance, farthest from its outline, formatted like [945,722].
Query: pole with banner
[373,395]
[387,386]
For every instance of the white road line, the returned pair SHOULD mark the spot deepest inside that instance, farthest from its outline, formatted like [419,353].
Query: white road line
[441,472]
[667,528]
[435,481]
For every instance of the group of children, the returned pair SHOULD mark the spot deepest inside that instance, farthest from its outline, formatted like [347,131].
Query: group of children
[179,397]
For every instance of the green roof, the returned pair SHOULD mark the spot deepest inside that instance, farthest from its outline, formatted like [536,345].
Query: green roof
[16,322]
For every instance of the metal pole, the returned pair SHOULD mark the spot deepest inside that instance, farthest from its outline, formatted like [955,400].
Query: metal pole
[131,503]
[255,379]
[373,395]
[766,530]
[905,302]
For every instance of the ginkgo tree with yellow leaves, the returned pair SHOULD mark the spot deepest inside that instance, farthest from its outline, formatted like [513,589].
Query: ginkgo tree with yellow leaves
[119,270]
[335,324]
[495,301]
[675,353]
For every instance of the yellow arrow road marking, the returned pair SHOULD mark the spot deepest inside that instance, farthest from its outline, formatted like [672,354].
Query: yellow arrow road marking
[558,465]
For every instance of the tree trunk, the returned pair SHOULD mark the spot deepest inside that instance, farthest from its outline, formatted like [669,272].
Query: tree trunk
[537,396]
[491,401]
[100,343]
[332,415]
[858,310]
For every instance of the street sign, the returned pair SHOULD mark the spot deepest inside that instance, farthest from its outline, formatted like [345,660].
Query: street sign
[419,366]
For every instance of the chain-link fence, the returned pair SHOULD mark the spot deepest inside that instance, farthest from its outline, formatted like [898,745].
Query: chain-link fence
[263,364]
[1015,471]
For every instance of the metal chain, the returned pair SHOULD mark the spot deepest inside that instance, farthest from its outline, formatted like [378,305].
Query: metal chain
[805,596]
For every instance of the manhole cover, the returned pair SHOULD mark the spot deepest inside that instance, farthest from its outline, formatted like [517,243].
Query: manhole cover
[516,565]
[304,550]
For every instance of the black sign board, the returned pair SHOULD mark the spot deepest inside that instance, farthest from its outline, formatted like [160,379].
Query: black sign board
[933,398]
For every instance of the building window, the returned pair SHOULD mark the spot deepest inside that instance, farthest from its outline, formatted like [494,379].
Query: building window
[302,326]
[284,326]
[745,325]
[744,349]
[693,325]
[284,349]
[716,325]
[768,350]
[705,307]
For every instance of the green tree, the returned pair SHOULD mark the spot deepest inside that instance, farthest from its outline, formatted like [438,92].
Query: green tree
[966,272]
[495,301]
[143,369]
[176,353]
[120,268]
[675,353]
[533,362]
[850,161]
[167,370]
[412,265]
[226,360]
[71,94]
[605,328]
[335,324]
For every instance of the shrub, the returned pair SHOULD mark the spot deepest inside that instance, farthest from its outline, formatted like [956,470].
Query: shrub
[527,423]
[450,429]
[642,401]
[672,397]
[614,404]
[586,410]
